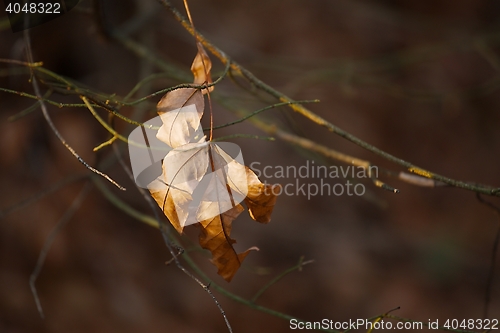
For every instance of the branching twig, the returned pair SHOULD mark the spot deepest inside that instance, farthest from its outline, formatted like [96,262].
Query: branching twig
[174,249]
[151,221]
[46,115]
[112,104]
[483,189]
[316,147]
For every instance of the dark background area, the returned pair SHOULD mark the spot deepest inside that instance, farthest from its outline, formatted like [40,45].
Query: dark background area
[418,79]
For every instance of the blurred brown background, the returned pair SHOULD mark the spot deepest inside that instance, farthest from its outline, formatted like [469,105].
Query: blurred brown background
[418,79]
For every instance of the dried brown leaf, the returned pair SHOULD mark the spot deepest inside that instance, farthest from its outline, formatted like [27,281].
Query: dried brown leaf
[201,67]
[217,203]
[200,182]
[179,98]
[163,197]
[215,237]
[260,198]
[180,111]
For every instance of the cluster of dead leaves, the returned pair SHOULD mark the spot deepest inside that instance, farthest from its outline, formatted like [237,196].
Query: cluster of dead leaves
[201,183]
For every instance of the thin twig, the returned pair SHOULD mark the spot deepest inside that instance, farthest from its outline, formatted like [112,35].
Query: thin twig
[29,109]
[298,267]
[22,63]
[174,249]
[71,150]
[246,136]
[46,115]
[201,52]
[380,318]
[262,110]
[179,86]
[50,239]
[418,180]
[110,129]
[323,150]
[488,190]
[151,221]
[493,260]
